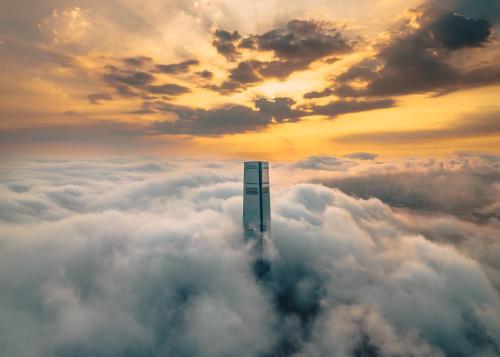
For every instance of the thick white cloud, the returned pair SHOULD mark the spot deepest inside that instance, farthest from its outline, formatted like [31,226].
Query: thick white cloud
[145,257]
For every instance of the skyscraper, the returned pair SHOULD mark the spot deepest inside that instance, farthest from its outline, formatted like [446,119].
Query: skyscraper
[256,200]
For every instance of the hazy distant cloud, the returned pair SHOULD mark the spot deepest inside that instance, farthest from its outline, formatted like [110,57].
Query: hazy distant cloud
[125,90]
[95,98]
[361,156]
[339,107]
[138,61]
[322,162]
[483,123]
[108,133]
[133,83]
[319,94]
[168,89]
[425,184]
[174,68]
[115,76]
[32,55]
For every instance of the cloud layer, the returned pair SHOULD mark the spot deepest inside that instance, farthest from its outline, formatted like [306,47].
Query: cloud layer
[145,257]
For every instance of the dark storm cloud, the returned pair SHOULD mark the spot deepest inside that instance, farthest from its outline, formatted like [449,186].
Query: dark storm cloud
[233,119]
[224,120]
[245,73]
[205,74]
[138,61]
[304,40]
[168,89]
[281,69]
[416,61]
[339,107]
[125,90]
[480,124]
[225,43]
[220,121]
[453,31]
[279,108]
[96,98]
[172,274]
[176,68]
[319,94]
[250,72]
[487,9]
[133,83]
[294,47]
[115,76]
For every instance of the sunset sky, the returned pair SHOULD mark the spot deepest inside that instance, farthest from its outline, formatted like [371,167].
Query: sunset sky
[268,79]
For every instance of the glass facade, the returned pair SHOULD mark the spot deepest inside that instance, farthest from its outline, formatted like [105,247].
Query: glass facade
[256,199]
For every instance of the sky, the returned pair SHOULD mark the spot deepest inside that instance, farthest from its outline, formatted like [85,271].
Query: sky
[269,79]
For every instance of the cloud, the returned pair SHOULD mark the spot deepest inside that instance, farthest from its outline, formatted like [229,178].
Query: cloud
[454,31]
[219,121]
[133,83]
[66,26]
[339,107]
[482,123]
[487,9]
[95,98]
[304,40]
[319,94]
[176,68]
[294,47]
[138,261]
[362,156]
[205,74]
[180,120]
[137,61]
[103,135]
[168,89]
[245,73]
[322,162]
[224,42]
[429,185]
[232,119]
[417,60]
[116,76]
[279,108]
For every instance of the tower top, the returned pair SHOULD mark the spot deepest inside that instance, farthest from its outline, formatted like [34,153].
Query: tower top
[256,162]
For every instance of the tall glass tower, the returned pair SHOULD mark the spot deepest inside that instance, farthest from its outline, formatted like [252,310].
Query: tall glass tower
[256,200]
